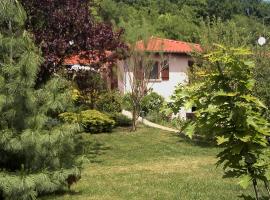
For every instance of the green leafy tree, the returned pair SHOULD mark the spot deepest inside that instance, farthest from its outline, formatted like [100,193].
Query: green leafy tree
[228,111]
[37,152]
[240,31]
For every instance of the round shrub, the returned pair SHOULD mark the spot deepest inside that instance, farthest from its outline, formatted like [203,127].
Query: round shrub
[109,102]
[121,120]
[94,121]
[152,102]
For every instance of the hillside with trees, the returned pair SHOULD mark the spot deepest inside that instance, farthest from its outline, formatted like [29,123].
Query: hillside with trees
[182,19]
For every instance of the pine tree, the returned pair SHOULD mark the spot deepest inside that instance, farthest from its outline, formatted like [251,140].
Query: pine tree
[37,152]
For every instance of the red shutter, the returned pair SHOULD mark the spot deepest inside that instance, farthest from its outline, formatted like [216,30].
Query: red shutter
[165,72]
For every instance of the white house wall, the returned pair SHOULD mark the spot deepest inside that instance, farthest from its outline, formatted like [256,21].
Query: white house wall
[178,66]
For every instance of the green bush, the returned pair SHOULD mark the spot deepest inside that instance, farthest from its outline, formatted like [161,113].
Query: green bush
[69,117]
[121,120]
[94,121]
[152,102]
[109,102]
[127,102]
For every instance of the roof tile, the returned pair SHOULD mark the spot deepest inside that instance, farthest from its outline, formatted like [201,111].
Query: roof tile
[166,45]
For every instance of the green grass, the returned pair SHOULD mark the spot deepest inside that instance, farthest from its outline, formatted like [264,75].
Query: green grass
[151,165]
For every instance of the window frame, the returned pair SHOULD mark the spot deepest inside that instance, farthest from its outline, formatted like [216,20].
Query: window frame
[158,79]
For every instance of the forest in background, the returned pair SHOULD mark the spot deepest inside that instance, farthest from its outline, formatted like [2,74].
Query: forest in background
[186,20]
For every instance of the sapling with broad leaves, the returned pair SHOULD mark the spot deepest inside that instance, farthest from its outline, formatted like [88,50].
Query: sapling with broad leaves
[227,111]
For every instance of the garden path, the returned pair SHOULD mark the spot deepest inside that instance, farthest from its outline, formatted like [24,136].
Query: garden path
[148,123]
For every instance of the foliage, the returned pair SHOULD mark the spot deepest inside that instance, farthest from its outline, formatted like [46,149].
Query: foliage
[92,121]
[37,155]
[165,120]
[96,122]
[227,110]
[69,117]
[127,102]
[181,19]
[120,119]
[90,86]
[261,72]
[157,117]
[63,28]
[110,102]
[239,31]
[75,95]
[152,102]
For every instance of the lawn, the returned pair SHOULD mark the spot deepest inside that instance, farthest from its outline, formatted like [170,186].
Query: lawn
[151,164]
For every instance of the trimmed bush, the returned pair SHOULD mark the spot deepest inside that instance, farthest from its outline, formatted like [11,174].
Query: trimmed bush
[94,121]
[109,102]
[121,120]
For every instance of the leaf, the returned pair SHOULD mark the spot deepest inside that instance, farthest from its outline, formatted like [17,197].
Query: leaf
[226,94]
[190,129]
[246,138]
[221,140]
[189,104]
[250,98]
[245,181]
[250,63]
[250,84]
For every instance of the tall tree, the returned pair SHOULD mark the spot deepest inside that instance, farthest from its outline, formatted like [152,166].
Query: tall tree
[65,27]
[36,151]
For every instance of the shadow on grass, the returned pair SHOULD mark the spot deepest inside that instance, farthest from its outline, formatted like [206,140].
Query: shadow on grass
[96,149]
[91,148]
[60,194]
[197,140]
[248,197]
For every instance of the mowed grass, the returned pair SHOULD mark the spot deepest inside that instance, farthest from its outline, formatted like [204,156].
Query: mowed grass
[151,165]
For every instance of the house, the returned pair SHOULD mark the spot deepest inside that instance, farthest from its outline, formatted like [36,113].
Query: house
[169,70]
[172,61]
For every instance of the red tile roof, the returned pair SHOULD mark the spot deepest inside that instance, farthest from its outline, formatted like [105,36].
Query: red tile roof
[165,45]
[82,60]
[155,44]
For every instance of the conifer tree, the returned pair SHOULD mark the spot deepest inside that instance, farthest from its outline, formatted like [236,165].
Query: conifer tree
[37,153]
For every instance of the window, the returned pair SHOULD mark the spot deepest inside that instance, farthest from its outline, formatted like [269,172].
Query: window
[165,69]
[154,74]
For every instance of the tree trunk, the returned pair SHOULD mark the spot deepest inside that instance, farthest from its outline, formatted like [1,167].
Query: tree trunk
[134,119]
